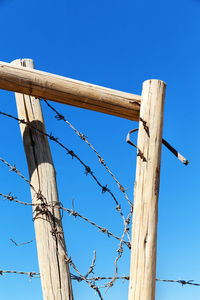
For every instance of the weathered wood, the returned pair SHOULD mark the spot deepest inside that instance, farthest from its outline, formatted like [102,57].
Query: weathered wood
[68,91]
[144,225]
[55,276]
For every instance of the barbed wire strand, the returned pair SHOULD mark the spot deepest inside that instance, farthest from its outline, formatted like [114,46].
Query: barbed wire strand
[84,138]
[44,209]
[98,278]
[88,170]
[58,235]
[30,274]
[71,212]
[14,169]
[102,229]
[120,250]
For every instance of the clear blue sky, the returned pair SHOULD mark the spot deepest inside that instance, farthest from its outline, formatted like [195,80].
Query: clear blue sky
[117,44]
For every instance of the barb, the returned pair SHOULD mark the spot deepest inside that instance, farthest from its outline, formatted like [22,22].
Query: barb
[182,282]
[11,198]
[20,244]
[70,152]
[84,138]
[14,169]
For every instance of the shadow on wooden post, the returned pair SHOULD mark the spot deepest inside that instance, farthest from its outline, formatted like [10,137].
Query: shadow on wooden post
[55,275]
[145,214]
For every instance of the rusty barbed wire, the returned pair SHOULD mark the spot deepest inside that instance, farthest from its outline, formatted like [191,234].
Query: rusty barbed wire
[43,209]
[30,274]
[101,229]
[182,282]
[91,281]
[14,169]
[50,215]
[11,198]
[91,284]
[84,138]
[71,212]
[98,278]
[58,235]
[88,170]
[120,250]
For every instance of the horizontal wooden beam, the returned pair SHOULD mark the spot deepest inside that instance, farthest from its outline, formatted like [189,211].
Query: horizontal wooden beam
[69,91]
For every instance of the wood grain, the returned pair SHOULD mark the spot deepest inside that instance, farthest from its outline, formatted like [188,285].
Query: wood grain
[55,276]
[145,216]
[68,91]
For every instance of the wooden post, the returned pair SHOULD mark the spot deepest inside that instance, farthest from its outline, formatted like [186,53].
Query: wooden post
[55,275]
[145,215]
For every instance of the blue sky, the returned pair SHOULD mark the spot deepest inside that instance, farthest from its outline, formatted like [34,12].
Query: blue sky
[118,45]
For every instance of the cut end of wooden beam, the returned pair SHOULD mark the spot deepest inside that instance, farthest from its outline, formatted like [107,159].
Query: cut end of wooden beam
[24,62]
[156,80]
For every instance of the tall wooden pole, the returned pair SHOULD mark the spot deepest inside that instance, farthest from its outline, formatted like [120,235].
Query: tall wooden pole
[55,275]
[145,216]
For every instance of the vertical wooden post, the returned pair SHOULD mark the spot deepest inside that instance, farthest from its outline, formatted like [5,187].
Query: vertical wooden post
[145,215]
[55,275]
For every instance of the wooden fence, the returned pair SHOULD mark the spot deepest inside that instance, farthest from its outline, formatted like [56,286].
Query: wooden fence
[147,109]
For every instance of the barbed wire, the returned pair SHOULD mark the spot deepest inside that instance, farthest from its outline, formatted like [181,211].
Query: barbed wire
[14,169]
[102,229]
[120,251]
[58,235]
[98,278]
[182,282]
[88,170]
[84,138]
[30,274]
[71,212]
[44,209]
